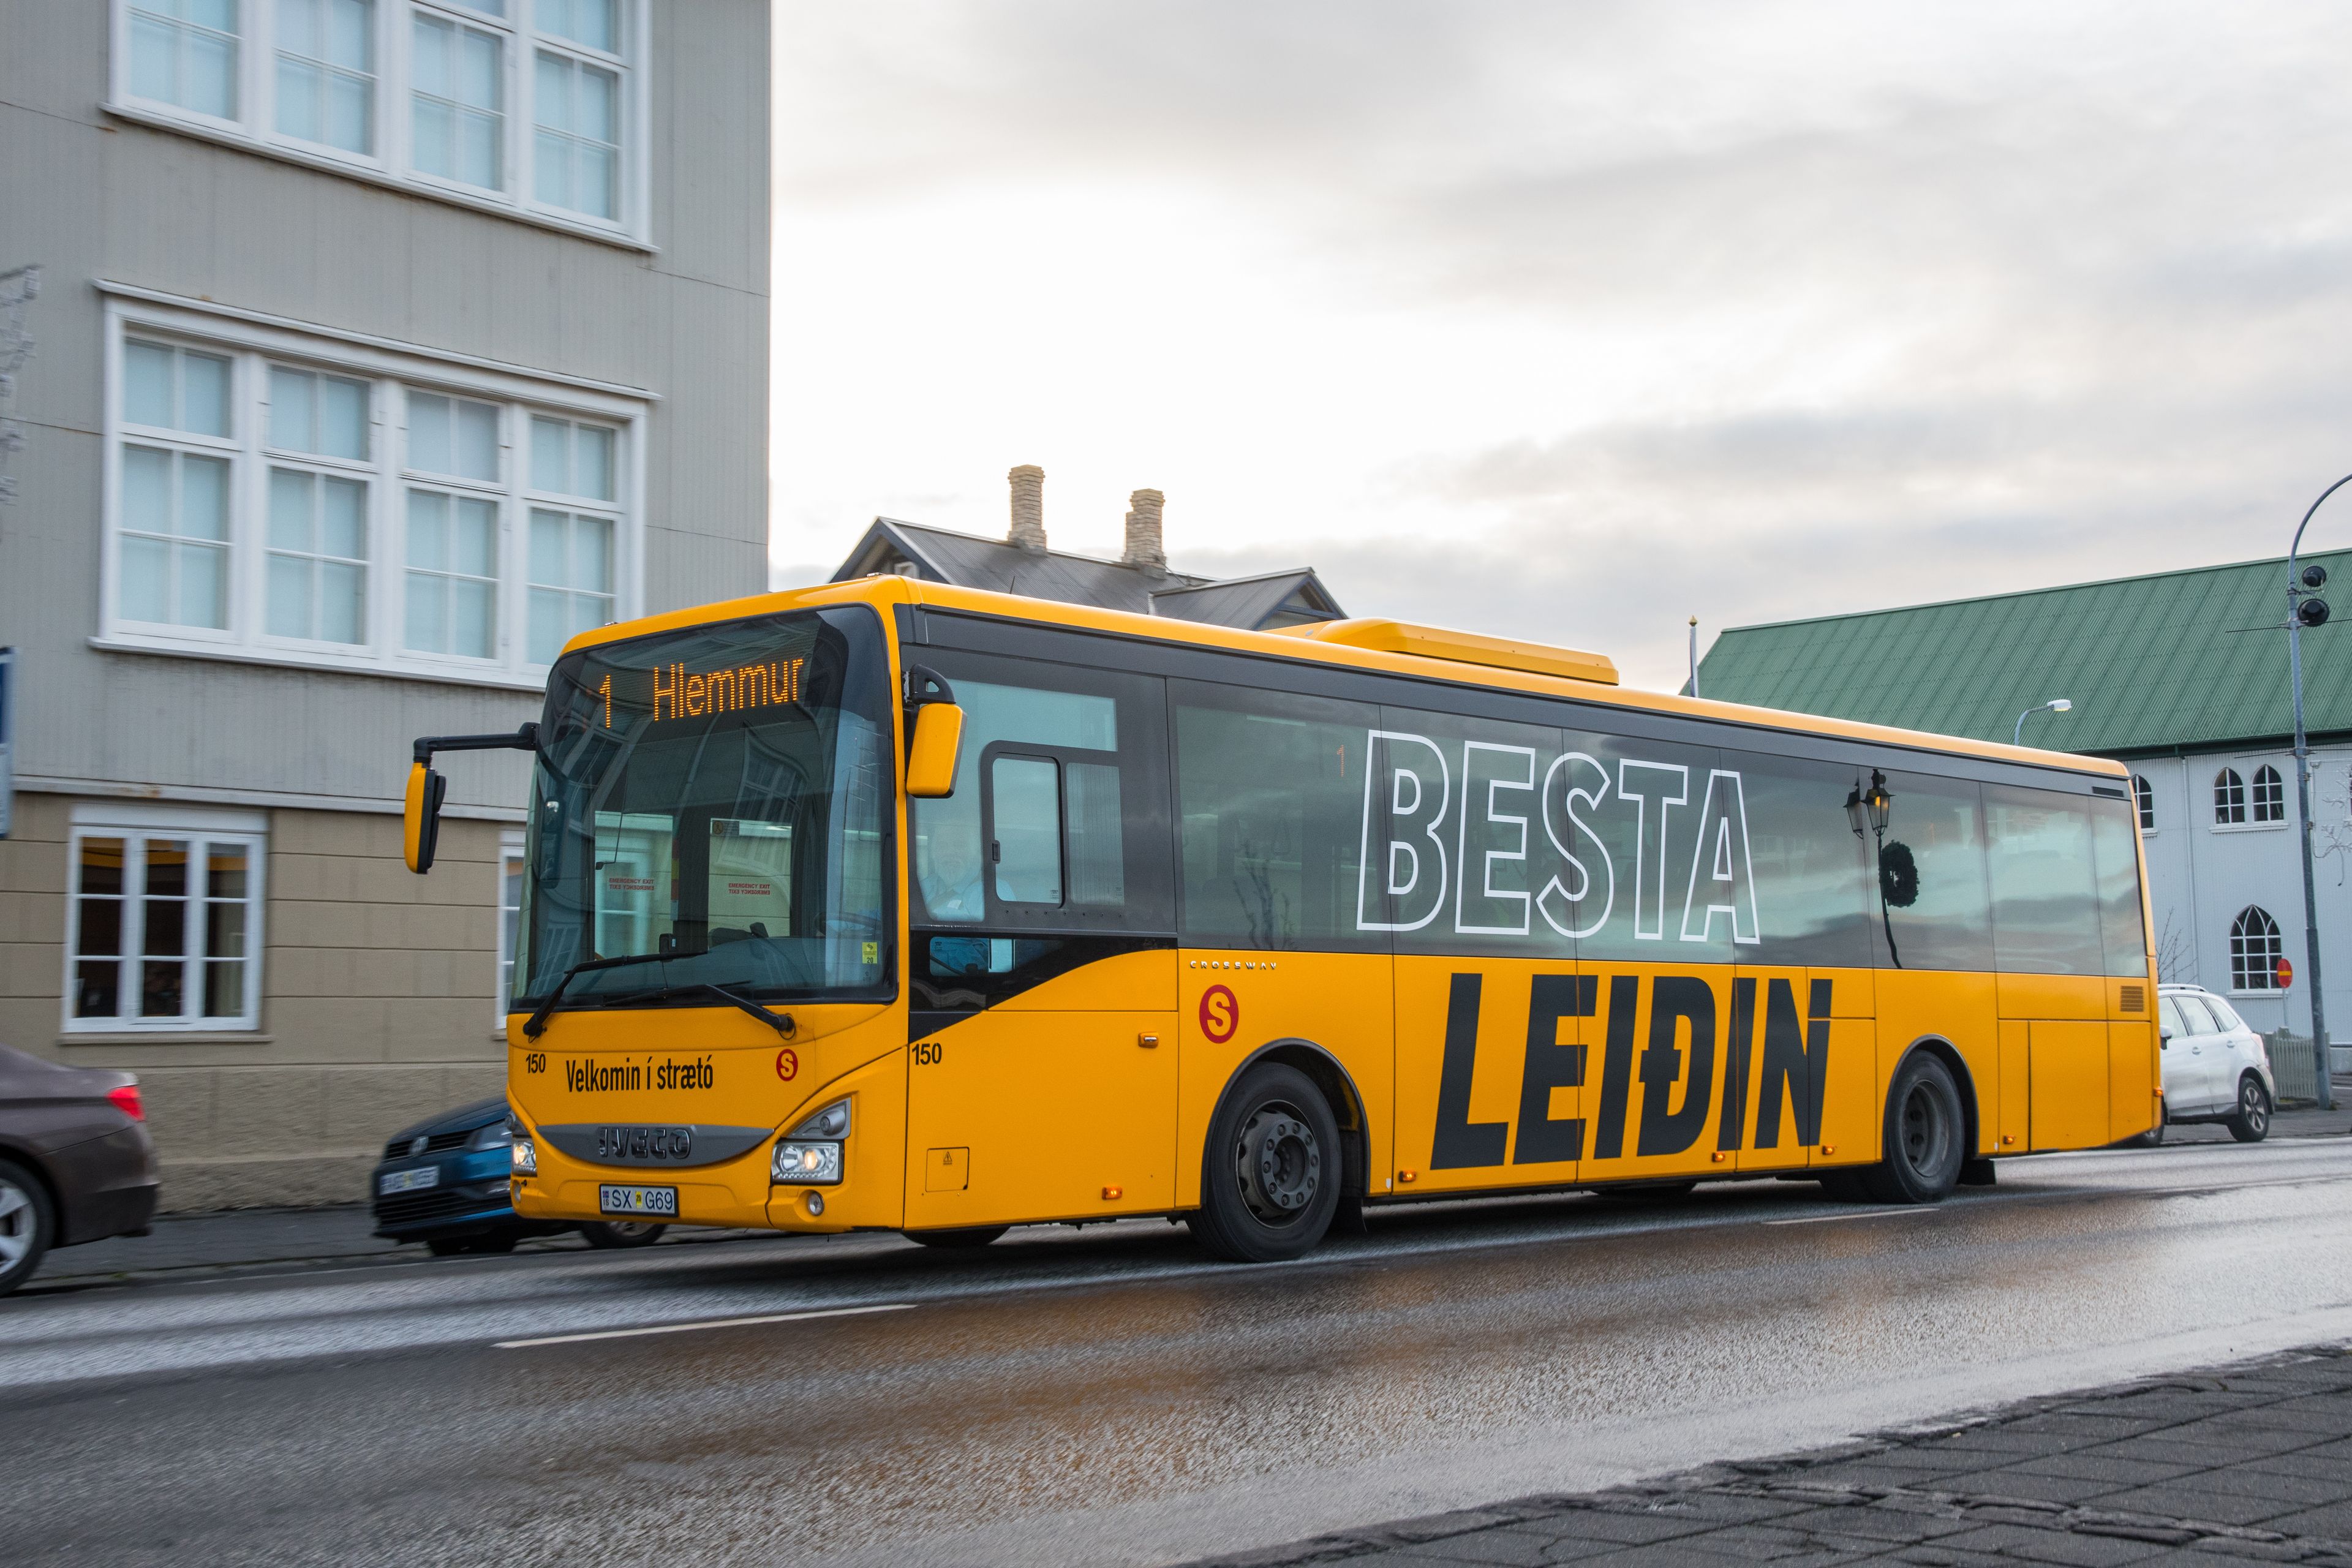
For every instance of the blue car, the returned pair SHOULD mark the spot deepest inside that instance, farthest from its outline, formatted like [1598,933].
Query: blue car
[444,1183]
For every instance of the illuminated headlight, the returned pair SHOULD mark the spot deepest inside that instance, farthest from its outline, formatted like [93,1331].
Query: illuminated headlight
[799,1164]
[526,1158]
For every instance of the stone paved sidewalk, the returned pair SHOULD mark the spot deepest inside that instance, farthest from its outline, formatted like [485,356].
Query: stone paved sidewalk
[2247,1463]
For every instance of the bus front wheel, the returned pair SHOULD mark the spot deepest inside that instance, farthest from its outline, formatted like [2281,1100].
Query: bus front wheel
[1270,1182]
[1925,1136]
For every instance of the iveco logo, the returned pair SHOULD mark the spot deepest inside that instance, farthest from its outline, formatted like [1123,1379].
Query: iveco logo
[645,1143]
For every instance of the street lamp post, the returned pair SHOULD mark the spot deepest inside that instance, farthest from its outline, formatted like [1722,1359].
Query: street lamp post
[2296,608]
[2055,705]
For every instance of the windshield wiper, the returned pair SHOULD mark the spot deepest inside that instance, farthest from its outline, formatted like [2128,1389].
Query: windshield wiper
[536,1025]
[780,1022]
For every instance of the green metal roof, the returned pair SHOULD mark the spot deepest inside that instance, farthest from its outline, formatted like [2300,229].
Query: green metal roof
[2151,663]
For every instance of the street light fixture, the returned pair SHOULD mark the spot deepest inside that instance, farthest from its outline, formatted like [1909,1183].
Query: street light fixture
[2055,705]
[2304,608]
[1868,811]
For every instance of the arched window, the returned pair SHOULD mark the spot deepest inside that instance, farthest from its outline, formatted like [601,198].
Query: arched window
[2255,950]
[2143,797]
[2229,798]
[2270,794]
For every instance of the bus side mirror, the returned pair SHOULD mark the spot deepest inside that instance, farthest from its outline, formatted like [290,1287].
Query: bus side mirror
[938,741]
[420,817]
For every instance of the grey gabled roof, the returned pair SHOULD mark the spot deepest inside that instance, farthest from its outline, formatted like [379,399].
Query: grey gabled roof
[1273,598]
[939,555]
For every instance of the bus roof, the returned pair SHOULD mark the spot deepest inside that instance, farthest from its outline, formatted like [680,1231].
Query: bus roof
[1468,659]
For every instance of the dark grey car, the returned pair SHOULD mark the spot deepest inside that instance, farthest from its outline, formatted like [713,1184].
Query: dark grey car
[76,1162]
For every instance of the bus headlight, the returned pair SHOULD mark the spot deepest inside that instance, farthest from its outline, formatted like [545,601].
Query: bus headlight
[806,1163]
[526,1158]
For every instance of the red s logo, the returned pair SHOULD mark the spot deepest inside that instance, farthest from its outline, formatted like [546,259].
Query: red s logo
[788,1065]
[1221,1014]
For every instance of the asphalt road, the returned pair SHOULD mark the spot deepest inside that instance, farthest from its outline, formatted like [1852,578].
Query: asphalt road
[1108,1396]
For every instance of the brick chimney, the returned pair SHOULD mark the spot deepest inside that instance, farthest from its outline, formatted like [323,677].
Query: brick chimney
[1144,550]
[1028,507]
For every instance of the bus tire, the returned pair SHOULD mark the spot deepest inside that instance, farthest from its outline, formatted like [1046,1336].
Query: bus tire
[1270,1177]
[1924,1135]
[966,1235]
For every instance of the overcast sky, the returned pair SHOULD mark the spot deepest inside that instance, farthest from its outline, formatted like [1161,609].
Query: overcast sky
[1570,321]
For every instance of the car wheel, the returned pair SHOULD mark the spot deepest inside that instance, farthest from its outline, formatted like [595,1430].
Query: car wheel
[495,1242]
[2154,1137]
[2252,1124]
[1924,1136]
[622,1232]
[1270,1177]
[969,1235]
[27,1225]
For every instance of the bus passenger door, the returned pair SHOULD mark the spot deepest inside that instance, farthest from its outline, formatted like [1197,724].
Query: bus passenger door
[1055,1102]
[1043,1051]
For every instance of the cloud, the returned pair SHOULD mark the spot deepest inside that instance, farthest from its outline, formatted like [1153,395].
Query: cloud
[1571,321]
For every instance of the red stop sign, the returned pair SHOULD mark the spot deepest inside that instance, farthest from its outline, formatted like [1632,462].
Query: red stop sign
[2285,973]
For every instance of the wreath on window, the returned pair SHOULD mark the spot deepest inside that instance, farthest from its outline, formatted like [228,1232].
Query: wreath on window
[1898,875]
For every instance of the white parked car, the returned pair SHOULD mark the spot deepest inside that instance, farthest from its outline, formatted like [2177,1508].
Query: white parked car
[2215,1068]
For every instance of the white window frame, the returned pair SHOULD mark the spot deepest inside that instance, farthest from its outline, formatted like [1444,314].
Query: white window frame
[510,855]
[392,162]
[2235,943]
[393,371]
[136,825]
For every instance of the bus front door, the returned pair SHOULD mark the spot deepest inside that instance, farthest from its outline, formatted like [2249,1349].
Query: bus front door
[1056,1099]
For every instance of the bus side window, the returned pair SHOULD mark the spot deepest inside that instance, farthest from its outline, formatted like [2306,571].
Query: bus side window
[1025,846]
[1059,820]
[2045,896]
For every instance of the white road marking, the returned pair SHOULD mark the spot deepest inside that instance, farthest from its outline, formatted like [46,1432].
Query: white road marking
[710,1323]
[1858,1214]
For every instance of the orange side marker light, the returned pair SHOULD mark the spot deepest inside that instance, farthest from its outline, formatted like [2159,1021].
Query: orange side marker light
[1408,1177]
[1111,1195]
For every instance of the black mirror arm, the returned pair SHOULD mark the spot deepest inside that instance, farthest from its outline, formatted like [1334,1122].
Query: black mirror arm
[525,738]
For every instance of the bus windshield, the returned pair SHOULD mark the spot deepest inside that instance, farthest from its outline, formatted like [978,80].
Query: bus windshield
[717,802]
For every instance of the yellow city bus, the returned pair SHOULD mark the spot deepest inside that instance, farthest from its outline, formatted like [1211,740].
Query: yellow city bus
[886,905]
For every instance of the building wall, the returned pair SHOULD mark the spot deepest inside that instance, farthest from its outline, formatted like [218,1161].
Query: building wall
[376,1002]
[2201,875]
[378,1005]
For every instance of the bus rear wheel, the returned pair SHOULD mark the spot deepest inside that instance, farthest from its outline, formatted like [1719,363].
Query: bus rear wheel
[1925,1136]
[1270,1179]
[966,1235]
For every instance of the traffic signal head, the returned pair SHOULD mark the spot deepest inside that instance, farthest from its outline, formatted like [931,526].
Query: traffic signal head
[2312,612]
[2314,577]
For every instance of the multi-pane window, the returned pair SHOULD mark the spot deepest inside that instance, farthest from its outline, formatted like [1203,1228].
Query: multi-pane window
[2270,794]
[577,136]
[2255,950]
[162,928]
[457,104]
[529,105]
[315,587]
[326,72]
[571,550]
[2144,801]
[511,896]
[175,485]
[331,511]
[2229,798]
[185,53]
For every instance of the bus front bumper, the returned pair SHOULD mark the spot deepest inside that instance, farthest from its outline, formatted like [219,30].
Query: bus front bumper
[737,1194]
